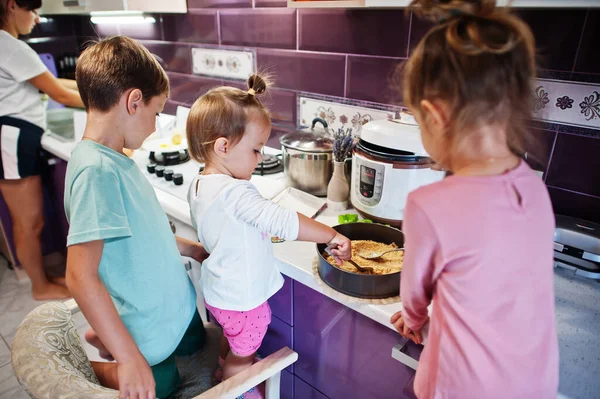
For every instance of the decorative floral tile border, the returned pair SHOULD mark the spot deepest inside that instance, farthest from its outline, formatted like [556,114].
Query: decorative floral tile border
[342,112]
[572,104]
[567,103]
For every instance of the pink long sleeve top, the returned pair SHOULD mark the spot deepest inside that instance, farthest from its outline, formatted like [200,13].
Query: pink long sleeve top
[481,249]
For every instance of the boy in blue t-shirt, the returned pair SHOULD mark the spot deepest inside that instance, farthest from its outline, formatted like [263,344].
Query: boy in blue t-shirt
[124,264]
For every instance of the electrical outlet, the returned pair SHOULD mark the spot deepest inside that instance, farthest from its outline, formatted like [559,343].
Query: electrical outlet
[228,64]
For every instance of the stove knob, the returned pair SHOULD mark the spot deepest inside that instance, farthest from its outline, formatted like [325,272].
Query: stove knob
[178,179]
[151,167]
[160,171]
[168,174]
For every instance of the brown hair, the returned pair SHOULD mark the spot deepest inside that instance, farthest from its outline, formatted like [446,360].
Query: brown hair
[28,5]
[480,61]
[110,67]
[223,112]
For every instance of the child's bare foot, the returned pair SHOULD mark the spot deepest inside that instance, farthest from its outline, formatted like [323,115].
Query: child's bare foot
[50,291]
[93,339]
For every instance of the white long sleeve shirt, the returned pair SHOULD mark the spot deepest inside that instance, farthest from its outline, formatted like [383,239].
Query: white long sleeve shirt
[234,223]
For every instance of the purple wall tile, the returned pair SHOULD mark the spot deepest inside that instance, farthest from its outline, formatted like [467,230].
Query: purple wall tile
[372,32]
[143,31]
[198,26]
[277,131]
[274,28]
[186,89]
[281,104]
[270,3]
[575,205]
[588,58]
[539,155]
[556,47]
[173,57]
[219,3]
[171,107]
[373,79]
[316,73]
[575,164]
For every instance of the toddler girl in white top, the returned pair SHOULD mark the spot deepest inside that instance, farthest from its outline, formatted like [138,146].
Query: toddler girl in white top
[226,129]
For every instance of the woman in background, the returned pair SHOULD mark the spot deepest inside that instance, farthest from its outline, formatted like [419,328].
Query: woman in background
[22,122]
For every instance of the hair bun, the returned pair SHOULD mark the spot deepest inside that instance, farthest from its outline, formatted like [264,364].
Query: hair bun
[257,85]
[443,10]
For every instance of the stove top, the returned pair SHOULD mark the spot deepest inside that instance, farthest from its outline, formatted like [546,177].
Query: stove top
[268,185]
[271,164]
[169,158]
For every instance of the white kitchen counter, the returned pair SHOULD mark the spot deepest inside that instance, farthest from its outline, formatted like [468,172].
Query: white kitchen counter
[296,257]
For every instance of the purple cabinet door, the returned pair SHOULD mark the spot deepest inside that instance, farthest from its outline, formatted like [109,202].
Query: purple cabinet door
[304,391]
[342,353]
[287,386]
[281,302]
[278,336]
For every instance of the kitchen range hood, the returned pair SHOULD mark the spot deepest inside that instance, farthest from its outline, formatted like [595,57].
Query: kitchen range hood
[87,7]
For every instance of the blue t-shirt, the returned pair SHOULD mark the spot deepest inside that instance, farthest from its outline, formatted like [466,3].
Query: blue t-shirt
[108,198]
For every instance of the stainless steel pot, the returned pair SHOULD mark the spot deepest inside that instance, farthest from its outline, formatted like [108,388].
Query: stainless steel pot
[307,159]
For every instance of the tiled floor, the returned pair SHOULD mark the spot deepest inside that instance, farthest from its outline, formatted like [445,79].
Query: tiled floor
[15,304]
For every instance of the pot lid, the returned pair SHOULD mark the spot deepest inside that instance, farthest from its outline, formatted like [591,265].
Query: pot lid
[399,134]
[307,141]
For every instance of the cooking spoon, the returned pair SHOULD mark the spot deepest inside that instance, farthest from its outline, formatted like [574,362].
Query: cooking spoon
[375,255]
[353,263]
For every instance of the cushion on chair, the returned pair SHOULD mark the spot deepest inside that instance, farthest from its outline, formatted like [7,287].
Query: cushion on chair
[50,362]
[48,358]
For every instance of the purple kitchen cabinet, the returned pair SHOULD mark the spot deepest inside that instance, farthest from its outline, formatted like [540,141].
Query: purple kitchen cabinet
[287,386]
[281,302]
[278,336]
[304,391]
[343,354]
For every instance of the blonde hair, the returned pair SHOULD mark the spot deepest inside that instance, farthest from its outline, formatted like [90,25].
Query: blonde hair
[108,68]
[479,60]
[224,112]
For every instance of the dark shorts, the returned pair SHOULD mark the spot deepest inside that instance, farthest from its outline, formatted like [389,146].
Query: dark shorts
[165,373]
[20,149]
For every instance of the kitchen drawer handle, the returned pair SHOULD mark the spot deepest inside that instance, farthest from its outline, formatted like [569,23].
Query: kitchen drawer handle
[399,355]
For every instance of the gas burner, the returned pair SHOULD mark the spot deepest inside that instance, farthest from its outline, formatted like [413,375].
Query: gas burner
[269,166]
[170,158]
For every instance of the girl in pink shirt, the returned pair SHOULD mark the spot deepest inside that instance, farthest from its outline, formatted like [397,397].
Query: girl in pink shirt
[479,244]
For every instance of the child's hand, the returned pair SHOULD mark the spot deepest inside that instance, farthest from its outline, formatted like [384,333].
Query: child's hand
[198,252]
[136,380]
[341,247]
[403,329]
